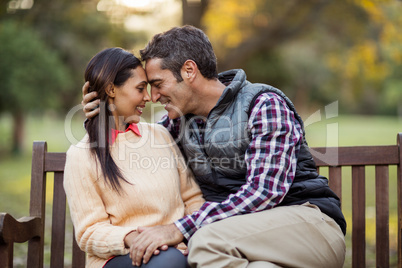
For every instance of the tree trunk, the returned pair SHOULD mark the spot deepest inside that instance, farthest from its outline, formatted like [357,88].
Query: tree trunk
[193,12]
[18,132]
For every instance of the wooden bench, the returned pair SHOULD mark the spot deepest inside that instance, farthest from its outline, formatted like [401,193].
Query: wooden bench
[31,228]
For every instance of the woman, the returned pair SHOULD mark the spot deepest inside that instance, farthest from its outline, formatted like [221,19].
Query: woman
[124,174]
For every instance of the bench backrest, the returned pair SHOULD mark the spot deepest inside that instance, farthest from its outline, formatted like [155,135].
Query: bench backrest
[358,157]
[44,162]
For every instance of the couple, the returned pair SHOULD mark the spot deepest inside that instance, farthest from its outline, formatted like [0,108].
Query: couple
[265,204]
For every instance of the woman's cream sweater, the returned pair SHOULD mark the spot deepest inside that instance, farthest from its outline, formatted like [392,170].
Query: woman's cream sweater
[161,190]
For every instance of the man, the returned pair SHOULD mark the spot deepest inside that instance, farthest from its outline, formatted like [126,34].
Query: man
[266,205]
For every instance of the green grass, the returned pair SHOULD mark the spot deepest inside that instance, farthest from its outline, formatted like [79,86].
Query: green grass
[337,131]
[354,130]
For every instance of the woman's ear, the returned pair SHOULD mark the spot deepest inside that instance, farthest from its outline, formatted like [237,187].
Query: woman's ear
[111,91]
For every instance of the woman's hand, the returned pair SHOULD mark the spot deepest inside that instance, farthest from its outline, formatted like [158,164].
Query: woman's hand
[153,239]
[129,241]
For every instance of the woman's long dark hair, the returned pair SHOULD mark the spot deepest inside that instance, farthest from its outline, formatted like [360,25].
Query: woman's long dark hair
[110,67]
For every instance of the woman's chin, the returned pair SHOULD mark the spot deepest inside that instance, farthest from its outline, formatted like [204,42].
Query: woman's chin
[133,120]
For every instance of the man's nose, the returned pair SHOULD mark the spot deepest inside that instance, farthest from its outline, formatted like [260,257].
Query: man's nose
[155,95]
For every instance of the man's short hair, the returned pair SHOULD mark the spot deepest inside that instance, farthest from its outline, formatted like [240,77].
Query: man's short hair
[180,44]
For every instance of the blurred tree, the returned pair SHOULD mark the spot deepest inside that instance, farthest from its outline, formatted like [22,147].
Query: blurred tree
[332,49]
[48,71]
[241,29]
[76,30]
[366,64]
[32,76]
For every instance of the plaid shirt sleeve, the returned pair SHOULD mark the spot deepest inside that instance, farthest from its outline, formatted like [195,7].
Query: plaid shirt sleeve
[173,126]
[271,165]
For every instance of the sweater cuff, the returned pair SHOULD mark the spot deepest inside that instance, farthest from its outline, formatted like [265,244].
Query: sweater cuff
[120,248]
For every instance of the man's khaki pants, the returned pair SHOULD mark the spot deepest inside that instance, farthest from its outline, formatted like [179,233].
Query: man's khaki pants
[288,236]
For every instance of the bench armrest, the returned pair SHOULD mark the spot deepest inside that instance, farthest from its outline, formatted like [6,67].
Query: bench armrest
[21,230]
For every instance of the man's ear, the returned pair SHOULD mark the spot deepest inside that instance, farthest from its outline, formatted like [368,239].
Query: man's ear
[111,91]
[189,70]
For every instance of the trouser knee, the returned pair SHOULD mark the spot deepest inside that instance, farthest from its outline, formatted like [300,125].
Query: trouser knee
[209,248]
[208,240]
[202,239]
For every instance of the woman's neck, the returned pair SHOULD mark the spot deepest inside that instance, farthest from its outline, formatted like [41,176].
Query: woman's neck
[119,124]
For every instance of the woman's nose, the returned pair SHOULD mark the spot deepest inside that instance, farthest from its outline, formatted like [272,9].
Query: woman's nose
[146,96]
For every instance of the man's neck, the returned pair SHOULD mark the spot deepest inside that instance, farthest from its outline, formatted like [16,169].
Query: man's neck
[207,96]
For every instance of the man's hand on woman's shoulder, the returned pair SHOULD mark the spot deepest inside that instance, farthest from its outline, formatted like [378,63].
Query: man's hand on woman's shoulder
[89,102]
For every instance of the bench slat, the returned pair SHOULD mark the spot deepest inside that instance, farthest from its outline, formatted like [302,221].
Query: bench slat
[358,217]
[399,191]
[382,215]
[335,180]
[58,222]
[78,254]
[37,203]
[6,255]
[355,156]
[55,162]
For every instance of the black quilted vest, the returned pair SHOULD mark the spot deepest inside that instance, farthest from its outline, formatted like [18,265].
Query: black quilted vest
[216,153]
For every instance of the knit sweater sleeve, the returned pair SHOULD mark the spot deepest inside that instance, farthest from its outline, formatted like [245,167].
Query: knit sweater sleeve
[190,191]
[93,231]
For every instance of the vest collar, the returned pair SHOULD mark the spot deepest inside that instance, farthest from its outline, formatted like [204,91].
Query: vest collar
[234,81]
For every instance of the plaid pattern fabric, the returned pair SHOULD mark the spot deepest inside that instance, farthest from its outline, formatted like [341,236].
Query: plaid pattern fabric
[271,164]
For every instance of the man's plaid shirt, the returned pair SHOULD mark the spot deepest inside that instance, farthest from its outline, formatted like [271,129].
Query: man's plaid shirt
[271,164]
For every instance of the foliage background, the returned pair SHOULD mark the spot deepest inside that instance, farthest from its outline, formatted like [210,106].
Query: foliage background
[317,51]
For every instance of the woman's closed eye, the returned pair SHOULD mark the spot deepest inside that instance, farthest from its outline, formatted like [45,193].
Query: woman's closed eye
[141,87]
